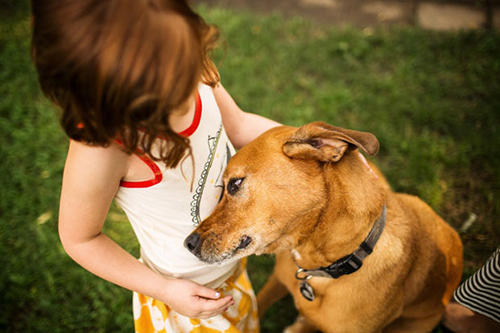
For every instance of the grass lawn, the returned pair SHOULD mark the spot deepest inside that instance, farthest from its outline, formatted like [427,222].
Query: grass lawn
[431,98]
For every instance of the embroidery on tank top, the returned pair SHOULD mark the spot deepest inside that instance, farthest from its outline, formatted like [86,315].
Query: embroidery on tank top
[213,143]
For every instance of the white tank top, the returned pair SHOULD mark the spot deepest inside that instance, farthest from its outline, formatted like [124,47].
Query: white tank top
[163,211]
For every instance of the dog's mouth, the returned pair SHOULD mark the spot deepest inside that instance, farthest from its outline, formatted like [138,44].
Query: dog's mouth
[245,241]
[213,252]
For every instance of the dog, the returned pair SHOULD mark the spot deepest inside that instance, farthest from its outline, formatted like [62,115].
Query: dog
[355,256]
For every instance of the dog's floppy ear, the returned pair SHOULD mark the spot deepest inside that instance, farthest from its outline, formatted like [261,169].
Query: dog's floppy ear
[327,143]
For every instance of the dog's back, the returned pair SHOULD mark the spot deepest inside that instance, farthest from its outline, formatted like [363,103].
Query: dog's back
[441,236]
[435,252]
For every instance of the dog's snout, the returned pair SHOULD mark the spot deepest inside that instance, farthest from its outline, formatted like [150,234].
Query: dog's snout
[192,242]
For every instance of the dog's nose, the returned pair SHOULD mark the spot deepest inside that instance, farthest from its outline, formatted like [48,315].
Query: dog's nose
[192,242]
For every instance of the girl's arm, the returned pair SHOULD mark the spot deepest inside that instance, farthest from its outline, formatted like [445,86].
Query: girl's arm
[241,127]
[91,178]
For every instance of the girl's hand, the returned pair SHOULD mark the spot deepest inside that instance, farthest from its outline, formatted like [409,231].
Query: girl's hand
[193,300]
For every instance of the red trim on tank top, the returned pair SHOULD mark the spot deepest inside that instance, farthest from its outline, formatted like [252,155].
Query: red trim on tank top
[158,176]
[196,119]
[146,183]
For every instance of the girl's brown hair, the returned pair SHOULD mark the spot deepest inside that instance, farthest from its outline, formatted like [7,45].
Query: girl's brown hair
[117,68]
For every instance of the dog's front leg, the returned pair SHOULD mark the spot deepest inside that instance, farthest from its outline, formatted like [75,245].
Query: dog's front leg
[301,325]
[272,292]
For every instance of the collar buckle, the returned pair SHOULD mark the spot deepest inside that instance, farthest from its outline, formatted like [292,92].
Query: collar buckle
[344,266]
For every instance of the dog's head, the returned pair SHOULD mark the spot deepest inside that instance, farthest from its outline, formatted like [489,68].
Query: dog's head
[275,191]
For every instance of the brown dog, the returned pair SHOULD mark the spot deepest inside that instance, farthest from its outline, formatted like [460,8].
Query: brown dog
[355,256]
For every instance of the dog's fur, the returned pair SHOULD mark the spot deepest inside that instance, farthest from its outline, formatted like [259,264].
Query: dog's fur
[309,196]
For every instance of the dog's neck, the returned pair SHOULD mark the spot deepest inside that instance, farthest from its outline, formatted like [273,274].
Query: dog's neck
[356,199]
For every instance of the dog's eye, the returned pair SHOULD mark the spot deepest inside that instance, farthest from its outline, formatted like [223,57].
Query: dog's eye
[234,185]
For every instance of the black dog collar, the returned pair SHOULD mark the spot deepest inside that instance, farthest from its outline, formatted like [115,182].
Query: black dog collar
[351,262]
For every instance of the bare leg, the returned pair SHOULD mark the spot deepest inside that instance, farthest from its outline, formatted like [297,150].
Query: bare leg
[458,318]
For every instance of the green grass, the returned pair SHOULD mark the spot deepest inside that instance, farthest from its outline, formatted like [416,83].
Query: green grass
[431,98]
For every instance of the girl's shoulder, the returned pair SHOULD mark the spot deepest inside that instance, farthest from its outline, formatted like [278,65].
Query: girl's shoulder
[93,164]
[97,154]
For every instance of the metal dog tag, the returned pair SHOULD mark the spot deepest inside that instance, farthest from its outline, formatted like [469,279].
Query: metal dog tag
[307,291]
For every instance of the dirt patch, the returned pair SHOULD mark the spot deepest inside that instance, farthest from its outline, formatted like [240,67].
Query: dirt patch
[359,13]
[437,15]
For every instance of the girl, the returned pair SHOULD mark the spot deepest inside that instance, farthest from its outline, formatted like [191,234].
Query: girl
[151,127]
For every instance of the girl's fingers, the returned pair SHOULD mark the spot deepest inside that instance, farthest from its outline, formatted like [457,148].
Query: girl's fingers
[207,315]
[206,292]
[212,308]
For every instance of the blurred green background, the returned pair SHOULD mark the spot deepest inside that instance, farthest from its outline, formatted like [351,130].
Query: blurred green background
[431,98]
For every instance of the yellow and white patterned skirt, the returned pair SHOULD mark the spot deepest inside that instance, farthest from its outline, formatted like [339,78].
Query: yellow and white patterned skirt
[151,315]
